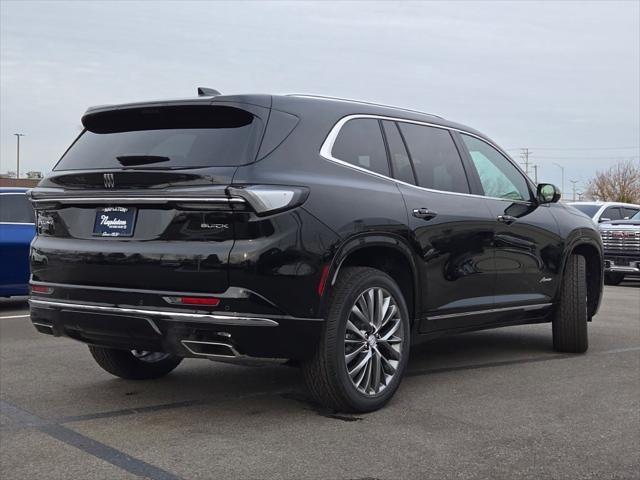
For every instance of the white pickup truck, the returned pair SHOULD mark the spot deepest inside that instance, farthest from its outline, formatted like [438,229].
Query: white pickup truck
[621,240]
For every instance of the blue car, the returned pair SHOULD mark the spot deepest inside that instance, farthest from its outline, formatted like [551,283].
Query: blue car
[17,229]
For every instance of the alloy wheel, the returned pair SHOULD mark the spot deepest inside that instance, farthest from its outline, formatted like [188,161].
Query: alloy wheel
[373,341]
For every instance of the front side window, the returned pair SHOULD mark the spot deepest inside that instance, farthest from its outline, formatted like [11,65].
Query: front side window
[498,176]
[435,158]
[612,213]
[15,208]
[360,143]
[629,212]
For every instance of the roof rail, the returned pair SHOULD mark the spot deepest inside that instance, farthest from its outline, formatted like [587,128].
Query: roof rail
[338,99]
[207,92]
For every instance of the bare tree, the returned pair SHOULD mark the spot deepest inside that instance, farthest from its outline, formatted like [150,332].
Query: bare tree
[619,183]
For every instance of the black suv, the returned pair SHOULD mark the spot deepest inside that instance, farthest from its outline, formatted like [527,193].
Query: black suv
[328,232]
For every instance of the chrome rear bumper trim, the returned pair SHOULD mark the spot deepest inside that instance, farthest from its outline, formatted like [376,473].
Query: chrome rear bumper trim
[202,317]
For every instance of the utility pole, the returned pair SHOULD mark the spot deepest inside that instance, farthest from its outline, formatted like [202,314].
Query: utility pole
[525,159]
[535,173]
[18,135]
[562,170]
[574,188]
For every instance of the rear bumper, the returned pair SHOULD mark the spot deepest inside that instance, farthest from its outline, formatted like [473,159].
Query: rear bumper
[183,333]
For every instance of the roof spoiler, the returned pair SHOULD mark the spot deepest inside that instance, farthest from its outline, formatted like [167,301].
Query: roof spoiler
[207,92]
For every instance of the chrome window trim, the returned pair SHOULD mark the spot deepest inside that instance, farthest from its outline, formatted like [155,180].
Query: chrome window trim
[327,147]
[490,310]
[230,319]
[13,193]
[134,199]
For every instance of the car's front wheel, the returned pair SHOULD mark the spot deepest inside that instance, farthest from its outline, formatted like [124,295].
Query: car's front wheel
[360,360]
[134,364]
[571,315]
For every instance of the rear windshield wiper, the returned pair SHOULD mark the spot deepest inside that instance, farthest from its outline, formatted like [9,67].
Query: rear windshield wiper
[130,160]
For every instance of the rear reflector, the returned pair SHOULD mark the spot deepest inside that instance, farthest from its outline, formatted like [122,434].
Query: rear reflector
[203,301]
[41,289]
[323,280]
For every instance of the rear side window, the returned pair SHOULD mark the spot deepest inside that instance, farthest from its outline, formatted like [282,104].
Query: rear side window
[400,162]
[360,143]
[165,138]
[435,157]
[15,208]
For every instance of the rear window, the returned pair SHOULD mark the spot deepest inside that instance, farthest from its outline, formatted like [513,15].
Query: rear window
[165,138]
[15,208]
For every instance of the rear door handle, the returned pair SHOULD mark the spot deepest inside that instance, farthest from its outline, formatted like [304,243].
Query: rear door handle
[508,219]
[424,213]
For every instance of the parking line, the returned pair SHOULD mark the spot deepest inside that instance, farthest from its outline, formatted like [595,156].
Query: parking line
[87,444]
[15,316]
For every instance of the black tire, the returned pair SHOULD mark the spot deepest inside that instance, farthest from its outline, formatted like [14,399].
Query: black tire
[124,364]
[326,373]
[613,278]
[570,317]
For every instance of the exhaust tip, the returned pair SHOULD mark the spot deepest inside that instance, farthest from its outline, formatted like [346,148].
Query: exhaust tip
[210,349]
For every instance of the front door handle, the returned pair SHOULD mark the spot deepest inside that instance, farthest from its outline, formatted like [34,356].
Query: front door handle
[424,213]
[508,219]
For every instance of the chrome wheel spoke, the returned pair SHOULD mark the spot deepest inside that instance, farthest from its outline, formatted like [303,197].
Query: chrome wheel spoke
[373,341]
[353,329]
[358,350]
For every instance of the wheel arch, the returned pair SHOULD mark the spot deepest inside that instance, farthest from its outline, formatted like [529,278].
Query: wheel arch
[388,253]
[591,250]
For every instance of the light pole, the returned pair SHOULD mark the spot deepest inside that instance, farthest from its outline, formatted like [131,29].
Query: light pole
[562,169]
[574,188]
[18,135]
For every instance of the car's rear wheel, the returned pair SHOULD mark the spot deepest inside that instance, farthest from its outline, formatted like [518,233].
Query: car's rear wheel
[571,315]
[362,355]
[134,364]
[613,278]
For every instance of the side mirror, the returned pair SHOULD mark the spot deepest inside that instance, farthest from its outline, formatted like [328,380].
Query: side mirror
[604,219]
[548,193]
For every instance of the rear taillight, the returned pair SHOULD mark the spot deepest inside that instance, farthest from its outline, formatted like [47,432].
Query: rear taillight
[269,199]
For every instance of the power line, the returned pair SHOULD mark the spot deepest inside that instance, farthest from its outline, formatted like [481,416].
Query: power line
[607,157]
[637,147]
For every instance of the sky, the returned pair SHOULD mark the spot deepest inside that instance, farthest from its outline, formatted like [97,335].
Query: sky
[560,78]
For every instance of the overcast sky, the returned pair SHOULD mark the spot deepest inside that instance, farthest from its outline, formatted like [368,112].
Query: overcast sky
[562,78]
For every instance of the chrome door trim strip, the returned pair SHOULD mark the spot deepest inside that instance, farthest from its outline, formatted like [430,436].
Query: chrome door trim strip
[327,147]
[525,308]
[134,199]
[218,319]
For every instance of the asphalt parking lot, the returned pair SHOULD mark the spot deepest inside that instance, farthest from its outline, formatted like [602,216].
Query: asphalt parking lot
[492,404]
